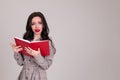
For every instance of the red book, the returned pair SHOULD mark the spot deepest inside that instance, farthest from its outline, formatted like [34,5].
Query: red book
[43,45]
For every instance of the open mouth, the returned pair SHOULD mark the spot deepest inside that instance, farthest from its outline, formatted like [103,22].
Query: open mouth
[37,30]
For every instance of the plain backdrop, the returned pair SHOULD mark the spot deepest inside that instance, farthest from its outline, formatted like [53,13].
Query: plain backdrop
[86,34]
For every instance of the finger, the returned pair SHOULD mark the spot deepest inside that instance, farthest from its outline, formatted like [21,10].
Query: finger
[38,49]
[12,45]
[18,47]
[27,50]
[30,48]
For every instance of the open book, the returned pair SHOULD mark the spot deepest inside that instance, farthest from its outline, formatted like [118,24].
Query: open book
[43,45]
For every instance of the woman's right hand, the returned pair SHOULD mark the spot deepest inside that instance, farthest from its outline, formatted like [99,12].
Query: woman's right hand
[15,48]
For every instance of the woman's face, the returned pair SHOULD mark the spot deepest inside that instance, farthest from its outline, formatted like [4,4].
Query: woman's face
[37,25]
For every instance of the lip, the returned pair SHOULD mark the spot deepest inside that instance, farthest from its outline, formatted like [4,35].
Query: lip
[37,30]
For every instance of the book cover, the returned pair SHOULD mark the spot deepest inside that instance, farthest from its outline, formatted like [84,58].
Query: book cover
[43,45]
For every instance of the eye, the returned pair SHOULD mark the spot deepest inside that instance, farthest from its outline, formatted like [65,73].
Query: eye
[32,23]
[40,22]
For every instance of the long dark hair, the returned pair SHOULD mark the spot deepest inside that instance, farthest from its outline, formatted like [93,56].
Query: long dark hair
[29,34]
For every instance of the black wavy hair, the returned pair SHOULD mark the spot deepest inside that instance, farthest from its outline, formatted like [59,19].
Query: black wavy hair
[29,34]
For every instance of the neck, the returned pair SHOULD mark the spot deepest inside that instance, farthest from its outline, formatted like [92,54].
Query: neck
[36,37]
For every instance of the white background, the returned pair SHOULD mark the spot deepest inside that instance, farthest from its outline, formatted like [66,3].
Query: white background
[86,34]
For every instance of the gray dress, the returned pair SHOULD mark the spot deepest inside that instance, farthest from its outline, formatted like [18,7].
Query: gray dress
[34,68]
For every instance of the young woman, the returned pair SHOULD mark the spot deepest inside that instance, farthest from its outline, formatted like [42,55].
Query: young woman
[34,68]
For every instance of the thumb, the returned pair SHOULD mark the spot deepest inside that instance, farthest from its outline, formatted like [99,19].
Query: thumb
[12,45]
[38,49]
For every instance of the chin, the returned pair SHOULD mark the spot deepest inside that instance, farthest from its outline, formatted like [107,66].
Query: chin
[37,33]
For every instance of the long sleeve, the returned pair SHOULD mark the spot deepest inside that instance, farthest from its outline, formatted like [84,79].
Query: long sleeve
[18,58]
[45,62]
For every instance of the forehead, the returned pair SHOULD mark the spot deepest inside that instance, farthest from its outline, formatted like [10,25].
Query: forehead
[37,18]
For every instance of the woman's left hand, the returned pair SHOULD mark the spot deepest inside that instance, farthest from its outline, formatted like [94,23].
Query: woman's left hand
[31,51]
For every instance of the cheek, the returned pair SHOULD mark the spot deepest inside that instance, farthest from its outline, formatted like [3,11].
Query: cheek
[33,28]
[41,28]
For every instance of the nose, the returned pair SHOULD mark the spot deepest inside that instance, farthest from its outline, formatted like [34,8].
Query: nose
[36,25]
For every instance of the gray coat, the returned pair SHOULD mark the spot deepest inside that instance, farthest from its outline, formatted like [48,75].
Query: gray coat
[34,68]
